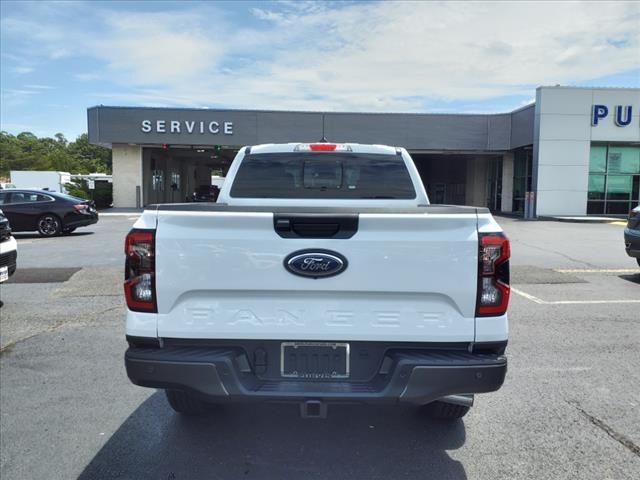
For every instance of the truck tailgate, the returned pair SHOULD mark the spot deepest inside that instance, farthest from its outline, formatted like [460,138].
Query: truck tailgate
[410,277]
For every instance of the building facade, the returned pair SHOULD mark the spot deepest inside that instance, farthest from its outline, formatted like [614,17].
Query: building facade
[577,150]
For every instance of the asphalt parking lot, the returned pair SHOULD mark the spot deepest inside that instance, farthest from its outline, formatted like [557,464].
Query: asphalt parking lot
[570,407]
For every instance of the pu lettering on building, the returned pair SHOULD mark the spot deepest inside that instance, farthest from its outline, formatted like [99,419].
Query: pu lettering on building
[622,115]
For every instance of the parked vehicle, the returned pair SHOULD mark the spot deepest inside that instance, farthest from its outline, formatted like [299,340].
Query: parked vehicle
[321,275]
[4,186]
[632,234]
[8,251]
[50,213]
[205,193]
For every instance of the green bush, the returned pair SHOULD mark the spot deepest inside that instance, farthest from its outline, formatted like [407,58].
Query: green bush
[102,194]
[79,188]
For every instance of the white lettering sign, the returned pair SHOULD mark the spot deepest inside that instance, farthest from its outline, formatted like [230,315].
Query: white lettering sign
[186,126]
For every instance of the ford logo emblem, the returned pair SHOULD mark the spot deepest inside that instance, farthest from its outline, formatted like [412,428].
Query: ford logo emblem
[315,263]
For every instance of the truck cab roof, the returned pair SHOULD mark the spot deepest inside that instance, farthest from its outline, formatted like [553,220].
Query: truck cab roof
[300,146]
[296,174]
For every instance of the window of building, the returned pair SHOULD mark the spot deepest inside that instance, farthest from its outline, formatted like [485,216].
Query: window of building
[614,179]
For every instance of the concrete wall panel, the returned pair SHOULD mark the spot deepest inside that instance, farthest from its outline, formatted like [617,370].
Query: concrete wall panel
[552,203]
[127,174]
[564,152]
[563,127]
[565,101]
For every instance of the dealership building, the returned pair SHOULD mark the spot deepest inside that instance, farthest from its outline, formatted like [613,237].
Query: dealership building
[575,151]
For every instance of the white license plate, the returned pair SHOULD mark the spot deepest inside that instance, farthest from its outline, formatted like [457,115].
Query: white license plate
[4,273]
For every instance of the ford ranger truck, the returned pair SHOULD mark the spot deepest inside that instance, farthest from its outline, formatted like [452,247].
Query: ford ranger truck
[322,275]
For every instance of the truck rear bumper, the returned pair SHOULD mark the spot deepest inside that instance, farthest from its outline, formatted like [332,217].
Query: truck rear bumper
[414,377]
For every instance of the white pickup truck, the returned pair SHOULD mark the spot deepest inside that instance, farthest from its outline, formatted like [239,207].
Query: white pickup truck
[322,275]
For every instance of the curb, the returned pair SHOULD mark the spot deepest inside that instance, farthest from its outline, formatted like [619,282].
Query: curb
[584,219]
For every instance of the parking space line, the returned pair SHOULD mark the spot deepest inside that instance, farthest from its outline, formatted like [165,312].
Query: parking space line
[597,270]
[540,301]
[527,296]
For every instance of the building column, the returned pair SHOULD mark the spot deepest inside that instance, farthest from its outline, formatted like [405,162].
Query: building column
[476,192]
[127,175]
[507,183]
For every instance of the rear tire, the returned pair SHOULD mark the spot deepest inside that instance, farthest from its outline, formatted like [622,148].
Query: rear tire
[445,411]
[49,225]
[184,402]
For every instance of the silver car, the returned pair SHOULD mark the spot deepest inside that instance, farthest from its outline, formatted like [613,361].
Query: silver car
[632,234]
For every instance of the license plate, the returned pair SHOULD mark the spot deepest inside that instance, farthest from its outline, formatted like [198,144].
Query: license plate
[314,360]
[4,273]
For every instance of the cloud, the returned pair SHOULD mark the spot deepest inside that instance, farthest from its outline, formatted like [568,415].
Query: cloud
[22,70]
[86,77]
[384,56]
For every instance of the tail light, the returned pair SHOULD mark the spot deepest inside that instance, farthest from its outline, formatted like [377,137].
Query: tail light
[80,206]
[493,274]
[140,271]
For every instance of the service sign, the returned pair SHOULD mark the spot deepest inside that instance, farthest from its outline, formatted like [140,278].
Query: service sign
[189,127]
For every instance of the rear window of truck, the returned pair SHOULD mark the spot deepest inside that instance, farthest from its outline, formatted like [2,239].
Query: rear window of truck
[323,175]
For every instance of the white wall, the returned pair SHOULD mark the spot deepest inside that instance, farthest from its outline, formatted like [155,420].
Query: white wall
[127,174]
[564,117]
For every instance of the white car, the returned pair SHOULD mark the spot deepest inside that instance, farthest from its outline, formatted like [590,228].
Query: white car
[321,275]
[8,251]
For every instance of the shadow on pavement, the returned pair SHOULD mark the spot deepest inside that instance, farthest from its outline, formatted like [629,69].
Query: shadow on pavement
[271,441]
[43,275]
[26,236]
[633,278]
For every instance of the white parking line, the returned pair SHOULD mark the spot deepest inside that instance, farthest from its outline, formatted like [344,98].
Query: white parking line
[597,270]
[122,214]
[535,299]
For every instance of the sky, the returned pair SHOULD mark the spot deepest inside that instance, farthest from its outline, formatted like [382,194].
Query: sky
[59,58]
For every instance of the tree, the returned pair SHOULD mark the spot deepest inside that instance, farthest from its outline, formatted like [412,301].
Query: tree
[82,149]
[26,151]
